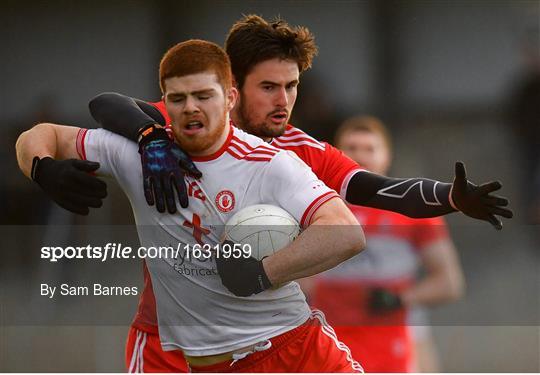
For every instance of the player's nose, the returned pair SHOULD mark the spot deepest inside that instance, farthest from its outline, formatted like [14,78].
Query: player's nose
[281,98]
[191,105]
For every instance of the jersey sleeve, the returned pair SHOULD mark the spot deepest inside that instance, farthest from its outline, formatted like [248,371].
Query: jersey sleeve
[289,183]
[118,156]
[328,163]
[427,231]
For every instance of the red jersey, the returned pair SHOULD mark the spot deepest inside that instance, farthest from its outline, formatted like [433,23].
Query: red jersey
[391,260]
[329,164]
[382,341]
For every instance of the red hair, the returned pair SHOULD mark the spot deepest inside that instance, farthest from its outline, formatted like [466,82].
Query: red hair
[368,124]
[195,56]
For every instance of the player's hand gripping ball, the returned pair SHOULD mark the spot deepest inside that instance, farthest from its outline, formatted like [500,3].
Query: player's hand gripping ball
[263,227]
[263,230]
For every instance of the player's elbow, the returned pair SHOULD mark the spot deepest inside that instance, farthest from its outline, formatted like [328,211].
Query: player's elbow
[100,104]
[453,286]
[357,240]
[457,288]
[350,238]
[344,230]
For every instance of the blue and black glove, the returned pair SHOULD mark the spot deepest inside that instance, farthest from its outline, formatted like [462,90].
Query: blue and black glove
[164,167]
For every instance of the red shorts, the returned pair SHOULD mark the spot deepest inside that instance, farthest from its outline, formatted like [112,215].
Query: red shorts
[144,354]
[380,348]
[311,347]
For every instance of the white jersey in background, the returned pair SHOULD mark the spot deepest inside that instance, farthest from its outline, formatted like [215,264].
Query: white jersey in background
[196,313]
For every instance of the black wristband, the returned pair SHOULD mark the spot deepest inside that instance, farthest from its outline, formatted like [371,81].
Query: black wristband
[264,281]
[37,163]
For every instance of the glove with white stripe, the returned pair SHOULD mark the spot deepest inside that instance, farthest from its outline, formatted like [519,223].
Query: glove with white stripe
[242,276]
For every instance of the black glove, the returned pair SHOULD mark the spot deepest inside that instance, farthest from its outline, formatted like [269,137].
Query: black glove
[164,166]
[476,201]
[381,300]
[242,276]
[69,183]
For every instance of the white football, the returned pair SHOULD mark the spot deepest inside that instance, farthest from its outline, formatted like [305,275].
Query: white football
[265,228]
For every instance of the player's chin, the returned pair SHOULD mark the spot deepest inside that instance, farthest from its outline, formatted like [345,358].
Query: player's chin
[275,130]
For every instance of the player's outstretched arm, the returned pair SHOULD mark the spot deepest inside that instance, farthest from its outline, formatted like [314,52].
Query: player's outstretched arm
[164,164]
[47,154]
[422,197]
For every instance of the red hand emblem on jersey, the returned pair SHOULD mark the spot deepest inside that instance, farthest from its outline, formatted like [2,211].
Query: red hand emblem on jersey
[225,202]
[198,229]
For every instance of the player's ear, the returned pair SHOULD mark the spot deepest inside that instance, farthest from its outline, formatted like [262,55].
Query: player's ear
[232,97]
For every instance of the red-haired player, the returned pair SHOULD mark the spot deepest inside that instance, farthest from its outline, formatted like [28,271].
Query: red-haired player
[218,307]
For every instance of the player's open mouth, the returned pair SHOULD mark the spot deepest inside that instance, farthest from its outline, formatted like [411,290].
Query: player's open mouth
[193,127]
[279,118]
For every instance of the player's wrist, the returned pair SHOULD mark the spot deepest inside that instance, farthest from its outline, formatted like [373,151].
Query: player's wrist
[38,165]
[406,299]
[264,280]
[451,199]
[150,133]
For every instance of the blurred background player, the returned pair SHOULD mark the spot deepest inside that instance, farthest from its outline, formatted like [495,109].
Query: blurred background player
[371,297]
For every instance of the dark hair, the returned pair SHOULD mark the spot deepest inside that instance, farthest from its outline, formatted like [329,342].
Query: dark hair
[195,56]
[252,40]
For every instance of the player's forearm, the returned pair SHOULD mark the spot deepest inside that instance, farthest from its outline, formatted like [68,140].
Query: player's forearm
[320,247]
[414,197]
[123,115]
[443,281]
[434,290]
[39,141]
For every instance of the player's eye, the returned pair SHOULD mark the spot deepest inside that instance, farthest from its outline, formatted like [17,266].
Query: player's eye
[292,86]
[203,97]
[268,88]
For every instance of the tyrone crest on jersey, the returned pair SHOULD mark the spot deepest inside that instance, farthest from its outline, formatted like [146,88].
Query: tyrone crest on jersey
[225,201]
